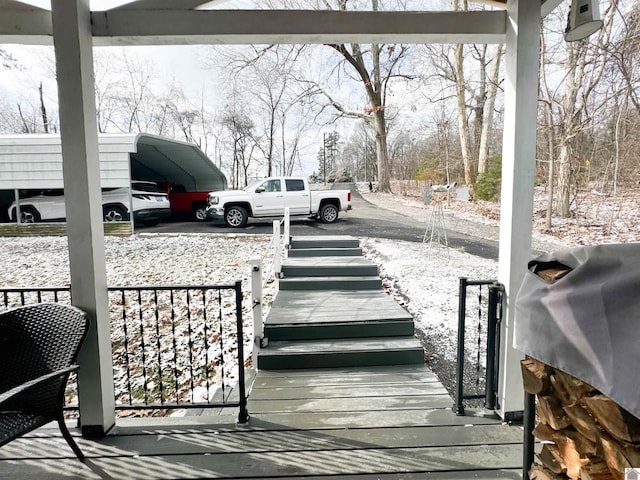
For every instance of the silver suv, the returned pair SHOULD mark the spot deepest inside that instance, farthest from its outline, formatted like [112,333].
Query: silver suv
[150,205]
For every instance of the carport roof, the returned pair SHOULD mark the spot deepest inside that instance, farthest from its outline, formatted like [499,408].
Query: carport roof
[176,161]
[35,161]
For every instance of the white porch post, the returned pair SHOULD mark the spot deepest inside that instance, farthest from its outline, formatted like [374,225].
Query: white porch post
[74,67]
[518,164]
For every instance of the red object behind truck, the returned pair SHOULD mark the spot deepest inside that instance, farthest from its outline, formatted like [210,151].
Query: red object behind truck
[183,202]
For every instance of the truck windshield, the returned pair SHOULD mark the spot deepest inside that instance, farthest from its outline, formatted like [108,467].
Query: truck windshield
[253,185]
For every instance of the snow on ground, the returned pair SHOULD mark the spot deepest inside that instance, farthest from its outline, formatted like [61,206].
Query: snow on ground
[172,259]
[597,216]
[154,260]
[424,280]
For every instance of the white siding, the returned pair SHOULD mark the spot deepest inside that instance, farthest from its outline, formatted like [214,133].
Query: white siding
[35,161]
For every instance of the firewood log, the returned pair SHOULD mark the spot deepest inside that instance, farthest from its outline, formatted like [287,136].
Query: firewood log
[550,411]
[558,389]
[538,472]
[553,274]
[632,454]
[574,387]
[571,458]
[543,431]
[535,376]
[583,445]
[614,419]
[582,421]
[551,458]
[613,454]
[596,469]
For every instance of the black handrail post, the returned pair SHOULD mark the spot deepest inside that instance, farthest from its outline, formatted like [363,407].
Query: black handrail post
[529,441]
[243,415]
[458,407]
[495,307]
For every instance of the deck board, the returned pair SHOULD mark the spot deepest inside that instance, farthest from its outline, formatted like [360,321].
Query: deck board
[282,463]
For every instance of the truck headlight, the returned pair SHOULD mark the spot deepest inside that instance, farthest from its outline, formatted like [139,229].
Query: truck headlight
[213,200]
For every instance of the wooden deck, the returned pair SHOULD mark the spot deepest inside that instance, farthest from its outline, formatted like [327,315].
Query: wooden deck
[363,417]
[374,422]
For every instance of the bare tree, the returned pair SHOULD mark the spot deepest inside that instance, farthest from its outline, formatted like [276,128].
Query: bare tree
[625,53]
[107,85]
[474,74]
[489,106]
[7,60]
[43,111]
[374,67]
[138,75]
[585,62]
[237,121]
[548,130]
[279,104]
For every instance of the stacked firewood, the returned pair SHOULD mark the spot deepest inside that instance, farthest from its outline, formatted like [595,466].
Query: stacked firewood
[583,433]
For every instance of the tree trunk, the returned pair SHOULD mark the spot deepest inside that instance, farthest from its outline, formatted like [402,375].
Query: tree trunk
[550,131]
[570,125]
[463,127]
[43,111]
[487,114]
[564,178]
[384,168]
[551,173]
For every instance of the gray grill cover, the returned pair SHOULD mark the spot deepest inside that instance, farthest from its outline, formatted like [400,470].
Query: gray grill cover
[587,323]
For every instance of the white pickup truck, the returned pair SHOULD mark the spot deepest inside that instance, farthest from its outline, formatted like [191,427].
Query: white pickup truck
[270,196]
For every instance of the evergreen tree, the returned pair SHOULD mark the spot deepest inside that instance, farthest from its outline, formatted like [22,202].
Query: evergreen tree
[328,155]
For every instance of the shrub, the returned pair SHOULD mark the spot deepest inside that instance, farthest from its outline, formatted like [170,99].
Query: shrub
[489,183]
[431,171]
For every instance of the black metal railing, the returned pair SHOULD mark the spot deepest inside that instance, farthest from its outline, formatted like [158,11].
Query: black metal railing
[173,347]
[488,311]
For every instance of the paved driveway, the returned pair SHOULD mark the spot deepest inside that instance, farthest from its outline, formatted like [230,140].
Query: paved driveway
[364,220]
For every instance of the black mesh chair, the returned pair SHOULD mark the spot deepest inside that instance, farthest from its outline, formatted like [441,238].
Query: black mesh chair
[39,345]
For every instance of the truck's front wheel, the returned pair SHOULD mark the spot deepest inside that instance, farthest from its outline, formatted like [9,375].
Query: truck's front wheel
[200,212]
[235,217]
[329,213]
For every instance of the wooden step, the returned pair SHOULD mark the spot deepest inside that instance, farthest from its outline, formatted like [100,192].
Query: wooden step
[300,315]
[324,252]
[357,352]
[331,283]
[329,267]
[324,241]
[309,331]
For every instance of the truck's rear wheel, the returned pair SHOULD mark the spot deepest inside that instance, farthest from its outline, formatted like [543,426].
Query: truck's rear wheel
[329,213]
[235,217]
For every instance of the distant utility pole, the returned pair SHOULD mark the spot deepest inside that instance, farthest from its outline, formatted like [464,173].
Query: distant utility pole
[324,157]
[365,157]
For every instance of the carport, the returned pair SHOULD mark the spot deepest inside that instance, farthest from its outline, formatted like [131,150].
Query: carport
[36,162]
